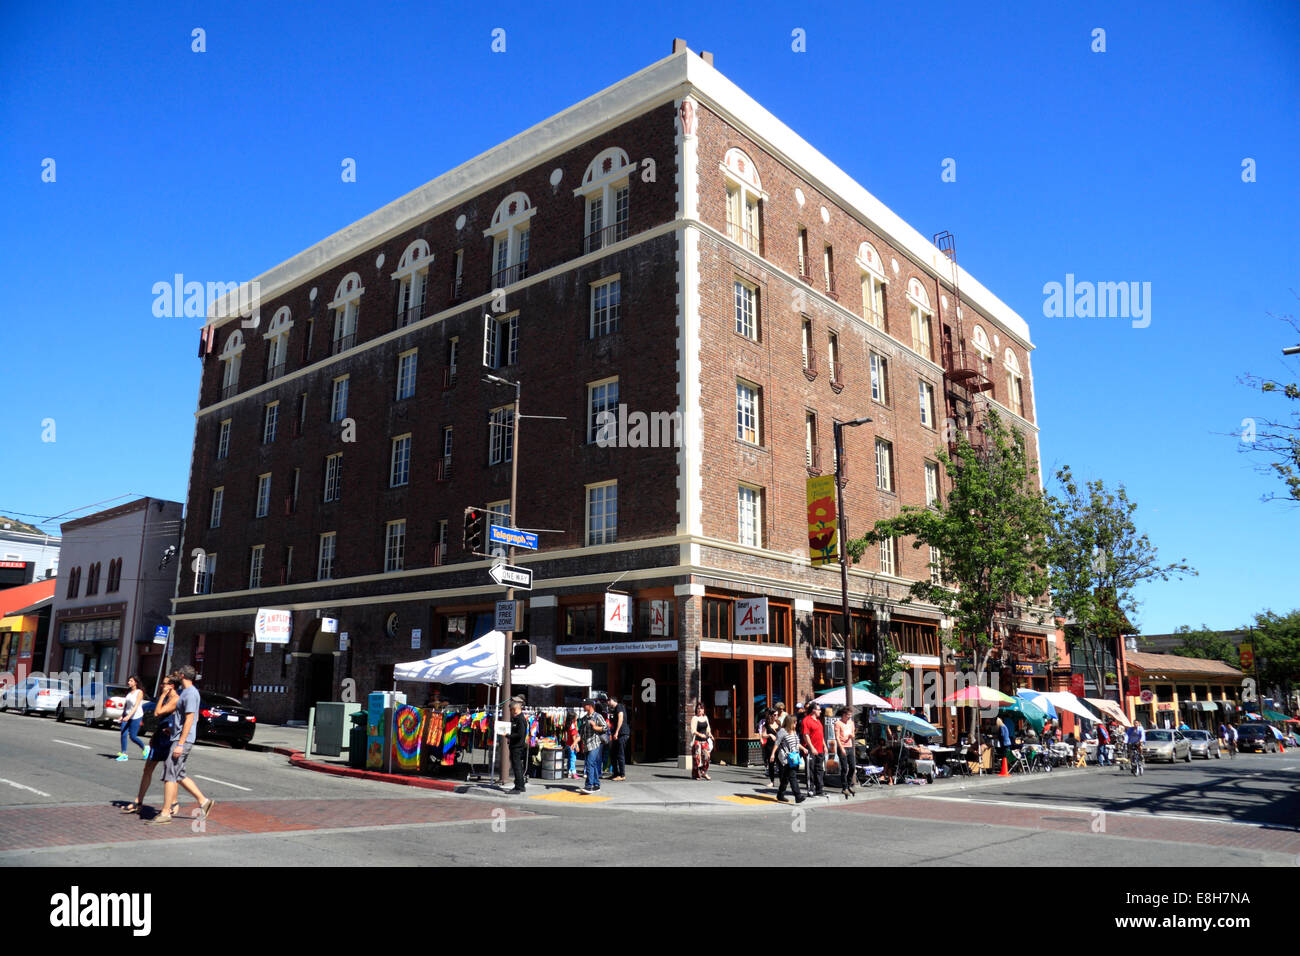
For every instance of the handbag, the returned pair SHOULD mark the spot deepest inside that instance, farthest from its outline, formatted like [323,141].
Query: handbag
[794,759]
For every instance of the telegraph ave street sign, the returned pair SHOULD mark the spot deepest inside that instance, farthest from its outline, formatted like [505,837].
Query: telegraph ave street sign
[511,577]
[499,534]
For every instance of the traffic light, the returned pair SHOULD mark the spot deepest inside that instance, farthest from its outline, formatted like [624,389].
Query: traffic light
[475,529]
[523,654]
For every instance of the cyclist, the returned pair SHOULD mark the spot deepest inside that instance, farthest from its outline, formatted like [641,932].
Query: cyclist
[1134,738]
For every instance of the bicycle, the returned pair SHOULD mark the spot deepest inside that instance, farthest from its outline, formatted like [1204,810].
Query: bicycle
[1136,764]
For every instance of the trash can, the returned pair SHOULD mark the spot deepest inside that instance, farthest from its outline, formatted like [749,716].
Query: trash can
[552,763]
[357,741]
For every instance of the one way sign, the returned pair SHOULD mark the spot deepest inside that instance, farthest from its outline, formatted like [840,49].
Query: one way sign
[511,577]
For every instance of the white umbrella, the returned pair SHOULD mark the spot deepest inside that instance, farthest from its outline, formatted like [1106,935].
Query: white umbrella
[1064,700]
[861,698]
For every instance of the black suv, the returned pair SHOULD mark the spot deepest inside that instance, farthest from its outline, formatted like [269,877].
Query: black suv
[1257,737]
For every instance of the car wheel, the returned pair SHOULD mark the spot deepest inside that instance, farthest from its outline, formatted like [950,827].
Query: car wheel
[1188,758]
[60,716]
[240,744]
[1217,754]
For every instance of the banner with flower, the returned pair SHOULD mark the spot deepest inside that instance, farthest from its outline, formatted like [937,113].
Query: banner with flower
[822,536]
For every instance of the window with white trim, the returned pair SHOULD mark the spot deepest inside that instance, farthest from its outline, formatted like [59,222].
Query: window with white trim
[207,574]
[602,412]
[833,354]
[936,566]
[399,467]
[270,419]
[440,544]
[412,276]
[884,465]
[744,192]
[339,399]
[606,296]
[749,510]
[501,434]
[453,356]
[925,395]
[888,556]
[346,308]
[747,412]
[980,339]
[333,476]
[325,556]
[1015,393]
[931,484]
[223,440]
[806,343]
[746,309]
[810,439]
[922,318]
[502,346]
[606,188]
[394,545]
[263,495]
[873,286]
[509,234]
[230,358]
[218,499]
[277,342]
[256,558]
[879,378]
[501,510]
[602,513]
[406,364]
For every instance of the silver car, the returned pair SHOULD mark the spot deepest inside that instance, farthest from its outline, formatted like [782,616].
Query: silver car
[42,695]
[1203,744]
[1168,745]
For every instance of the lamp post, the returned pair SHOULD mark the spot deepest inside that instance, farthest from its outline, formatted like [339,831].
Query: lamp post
[838,430]
[508,651]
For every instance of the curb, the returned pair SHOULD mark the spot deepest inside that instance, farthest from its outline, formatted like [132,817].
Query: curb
[297,758]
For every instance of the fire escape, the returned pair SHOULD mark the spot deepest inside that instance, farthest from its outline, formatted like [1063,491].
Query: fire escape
[965,370]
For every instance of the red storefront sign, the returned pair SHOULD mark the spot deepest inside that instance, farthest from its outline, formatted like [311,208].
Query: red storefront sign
[1133,689]
[1077,685]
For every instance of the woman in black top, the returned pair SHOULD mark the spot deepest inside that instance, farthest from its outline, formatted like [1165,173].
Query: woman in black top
[701,736]
[768,729]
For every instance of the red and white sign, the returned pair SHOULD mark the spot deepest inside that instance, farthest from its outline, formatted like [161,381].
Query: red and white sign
[618,613]
[658,618]
[751,616]
[1147,696]
[1133,690]
[13,564]
[273,626]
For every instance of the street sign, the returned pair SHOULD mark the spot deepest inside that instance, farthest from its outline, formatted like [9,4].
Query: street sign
[513,536]
[160,634]
[506,616]
[511,577]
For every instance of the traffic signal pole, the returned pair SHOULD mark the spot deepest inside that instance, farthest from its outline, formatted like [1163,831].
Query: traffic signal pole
[508,653]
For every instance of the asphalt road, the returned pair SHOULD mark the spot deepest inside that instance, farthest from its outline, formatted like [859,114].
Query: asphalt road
[58,783]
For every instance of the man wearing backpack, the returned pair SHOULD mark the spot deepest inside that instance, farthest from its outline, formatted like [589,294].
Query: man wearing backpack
[595,733]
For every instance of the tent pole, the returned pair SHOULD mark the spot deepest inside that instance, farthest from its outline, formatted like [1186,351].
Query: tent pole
[492,778]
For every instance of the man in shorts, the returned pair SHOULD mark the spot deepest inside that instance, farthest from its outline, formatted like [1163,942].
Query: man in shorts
[184,730]
[157,749]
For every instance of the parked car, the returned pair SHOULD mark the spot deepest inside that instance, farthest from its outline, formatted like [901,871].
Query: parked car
[1257,737]
[221,718]
[107,713]
[1168,745]
[41,695]
[1204,744]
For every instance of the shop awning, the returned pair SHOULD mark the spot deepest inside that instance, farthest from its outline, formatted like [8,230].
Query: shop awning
[1206,705]
[1274,715]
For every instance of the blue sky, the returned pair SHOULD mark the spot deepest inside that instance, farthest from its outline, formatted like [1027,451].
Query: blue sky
[1117,166]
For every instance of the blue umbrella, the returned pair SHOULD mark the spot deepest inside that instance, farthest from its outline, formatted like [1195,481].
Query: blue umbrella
[1043,702]
[898,718]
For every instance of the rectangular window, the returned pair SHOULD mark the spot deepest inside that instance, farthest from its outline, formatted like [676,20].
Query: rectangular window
[936,572]
[873,300]
[218,498]
[746,310]
[812,457]
[595,220]
[333,476]
[208,574]
[394,545]
[749,508]
[805,267]
[410,299]
[921,336]
[458,282]
[809,356]
[263,495]
[828,264]
[399,469]
[605,299]
[453,356]
[602,411]
[931,484]
[302,415]
[501,434]
[884,465]
[502,346]
[255,559]
[339,400]
[223,440]
[406,374]
[602,513]
[926,394]
[345,327]
[501,512]
[1016,396]
[286,569]
[887,555]
[440,545]
[747,412]
[325,556]
[270,418]
[833,353]
[879,379]
[291,500]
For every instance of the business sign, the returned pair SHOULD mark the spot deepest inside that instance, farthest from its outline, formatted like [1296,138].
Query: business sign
[273,626]
[1077,685]
[1147,696]
[1247,657]
[822,528]
[160,634]
[512,536]
[506,616]
[329,625]
[658,618]
[625,647]
[1133,688]
[618,612]
[1026,669]
[751,616]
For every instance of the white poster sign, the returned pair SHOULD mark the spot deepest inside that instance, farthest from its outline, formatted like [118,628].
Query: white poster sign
[658,618]
[273,626]
[751,616]
[329,625]
[343,641]
[618,615]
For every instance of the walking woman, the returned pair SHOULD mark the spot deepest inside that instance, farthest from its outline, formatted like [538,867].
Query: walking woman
[768,730]
[701,738]
[132,714]
[845,733]
[788,747]
[161,743]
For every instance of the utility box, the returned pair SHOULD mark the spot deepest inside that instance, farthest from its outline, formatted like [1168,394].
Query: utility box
[333,726]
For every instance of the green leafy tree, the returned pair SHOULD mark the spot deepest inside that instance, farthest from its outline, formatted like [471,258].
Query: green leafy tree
[1098,559]
[1207,645]
[990,534]
[1277,649]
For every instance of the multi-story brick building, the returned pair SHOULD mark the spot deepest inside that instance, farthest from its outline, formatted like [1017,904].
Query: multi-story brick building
[667,245]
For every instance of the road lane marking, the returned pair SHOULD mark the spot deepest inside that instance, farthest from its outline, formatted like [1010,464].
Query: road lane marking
[21,786]
[1146,815]
[71,744]
[222,782]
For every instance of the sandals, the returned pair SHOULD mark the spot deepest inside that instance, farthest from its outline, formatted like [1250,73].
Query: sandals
[131,808]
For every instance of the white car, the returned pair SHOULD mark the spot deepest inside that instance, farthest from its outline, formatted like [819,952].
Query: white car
[42,695]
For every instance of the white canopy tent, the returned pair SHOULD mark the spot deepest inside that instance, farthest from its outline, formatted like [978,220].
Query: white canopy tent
[1064,700]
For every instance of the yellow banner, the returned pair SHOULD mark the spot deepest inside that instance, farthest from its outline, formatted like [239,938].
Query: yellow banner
[822,529]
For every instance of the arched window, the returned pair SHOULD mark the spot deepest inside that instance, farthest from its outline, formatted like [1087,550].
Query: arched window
[509,235]
[277,342]
[346,307]
[744,192]
[413,277]
[606,188]
[230,358]
[873,286]
[980,339]
[922,318]
[1015,383]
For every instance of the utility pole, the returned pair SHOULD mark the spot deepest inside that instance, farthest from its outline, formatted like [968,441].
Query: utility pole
[838,430]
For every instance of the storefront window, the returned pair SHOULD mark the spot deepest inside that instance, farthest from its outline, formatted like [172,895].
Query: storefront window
[583,624]
[717,620]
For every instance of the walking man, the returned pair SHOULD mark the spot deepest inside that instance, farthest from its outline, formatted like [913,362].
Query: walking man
[518,744]
[184,730]
[594,730]
[814,738]
[620,732]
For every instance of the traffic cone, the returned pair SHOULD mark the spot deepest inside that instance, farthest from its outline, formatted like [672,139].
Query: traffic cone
[1003,771]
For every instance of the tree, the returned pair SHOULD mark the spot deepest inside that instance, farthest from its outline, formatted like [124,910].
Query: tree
[990,536]
[1276,439]
[1277,649]
[1098,559]
[1207,645]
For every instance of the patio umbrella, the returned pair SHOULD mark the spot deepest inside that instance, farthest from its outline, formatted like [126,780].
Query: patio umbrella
[1041,700]
[898,718]
[1064,700]
[1029,710]
[977,695]
[861,697]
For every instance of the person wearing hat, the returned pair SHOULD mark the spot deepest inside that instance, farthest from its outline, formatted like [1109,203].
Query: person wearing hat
[593,728]
[518,744]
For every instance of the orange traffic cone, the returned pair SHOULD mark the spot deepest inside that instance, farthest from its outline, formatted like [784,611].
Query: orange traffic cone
[1003,771]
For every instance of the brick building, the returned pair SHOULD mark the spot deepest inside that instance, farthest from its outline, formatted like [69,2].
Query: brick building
[667,246]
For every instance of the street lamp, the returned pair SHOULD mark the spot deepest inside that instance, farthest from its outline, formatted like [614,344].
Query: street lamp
[838,429]
[1291,350]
